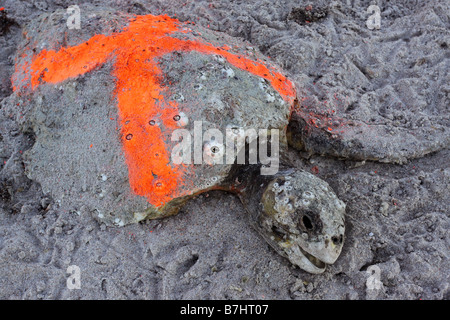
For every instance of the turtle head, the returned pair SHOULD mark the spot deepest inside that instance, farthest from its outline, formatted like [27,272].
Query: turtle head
[302,219]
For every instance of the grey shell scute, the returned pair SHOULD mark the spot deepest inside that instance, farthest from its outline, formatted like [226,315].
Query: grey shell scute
[214,95]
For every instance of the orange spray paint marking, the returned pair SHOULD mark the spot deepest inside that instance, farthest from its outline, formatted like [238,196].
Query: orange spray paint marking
[139,92]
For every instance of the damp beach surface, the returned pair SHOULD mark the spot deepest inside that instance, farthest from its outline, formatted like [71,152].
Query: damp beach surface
[393,79]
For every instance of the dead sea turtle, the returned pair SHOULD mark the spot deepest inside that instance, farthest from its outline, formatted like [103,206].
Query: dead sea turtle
[132,121]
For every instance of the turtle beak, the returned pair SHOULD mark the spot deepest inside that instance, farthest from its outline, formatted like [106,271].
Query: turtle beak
[306,261]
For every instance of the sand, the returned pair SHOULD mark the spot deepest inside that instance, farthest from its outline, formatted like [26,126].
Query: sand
[394,78]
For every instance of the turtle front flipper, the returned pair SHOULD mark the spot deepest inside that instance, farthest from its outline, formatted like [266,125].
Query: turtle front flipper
[356,141]
[320,131]
[298,215]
